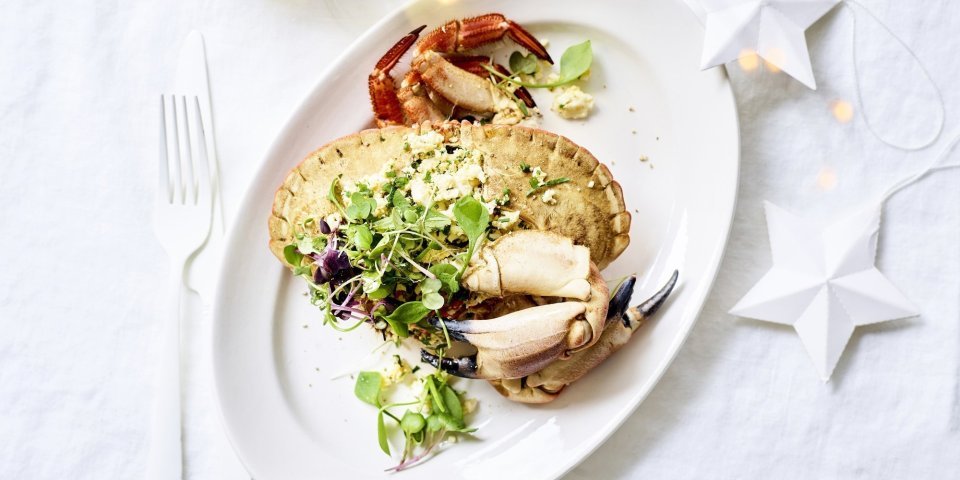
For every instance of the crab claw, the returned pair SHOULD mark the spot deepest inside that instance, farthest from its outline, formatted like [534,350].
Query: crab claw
[516,344]
[545,385]
[520,343]
[636,315]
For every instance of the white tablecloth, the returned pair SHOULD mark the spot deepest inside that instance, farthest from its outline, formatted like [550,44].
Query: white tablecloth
[81,275]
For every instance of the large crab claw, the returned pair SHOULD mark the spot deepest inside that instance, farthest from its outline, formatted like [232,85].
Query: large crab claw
[525,341]
[544,385]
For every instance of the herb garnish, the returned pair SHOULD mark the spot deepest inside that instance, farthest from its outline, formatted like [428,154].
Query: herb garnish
[437,411]
[574,63]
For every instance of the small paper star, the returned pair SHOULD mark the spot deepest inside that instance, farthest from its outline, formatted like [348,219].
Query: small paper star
[773,29]
[824,282]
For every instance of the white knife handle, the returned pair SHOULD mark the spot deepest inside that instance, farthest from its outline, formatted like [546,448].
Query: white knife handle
[165,461]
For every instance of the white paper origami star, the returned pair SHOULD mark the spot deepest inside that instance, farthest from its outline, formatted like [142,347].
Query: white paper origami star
[824,282]
[773,29]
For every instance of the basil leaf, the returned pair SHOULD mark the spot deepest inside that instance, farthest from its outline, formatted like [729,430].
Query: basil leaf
[367,388]
[520,63]
[292,256]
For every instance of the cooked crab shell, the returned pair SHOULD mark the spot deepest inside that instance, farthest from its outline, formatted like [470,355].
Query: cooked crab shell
[589,208]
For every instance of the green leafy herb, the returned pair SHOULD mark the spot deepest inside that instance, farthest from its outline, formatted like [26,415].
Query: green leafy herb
[438,402]
[447,274]
[525,167]
[367,388]
[433,301]
[473,218]
[574,62]
[525,64]
[434,423]
[409,312]
[292,256]
[361,206]
[361,236]
[333,194]
[452,402]
[412,422]
[382,434]
[537,185]
[434,220]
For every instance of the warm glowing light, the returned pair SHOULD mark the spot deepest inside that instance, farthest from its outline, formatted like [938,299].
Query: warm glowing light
[748,60]
[842,110]
[774,57]
[827,178]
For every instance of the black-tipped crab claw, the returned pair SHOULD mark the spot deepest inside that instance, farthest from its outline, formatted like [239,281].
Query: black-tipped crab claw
[544,378]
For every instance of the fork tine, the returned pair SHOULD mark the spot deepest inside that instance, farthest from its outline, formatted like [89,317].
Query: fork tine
[202,164]
[163,169]
[186,161]
[177,176]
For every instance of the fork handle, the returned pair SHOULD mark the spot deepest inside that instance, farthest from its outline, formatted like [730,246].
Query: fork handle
[165,460]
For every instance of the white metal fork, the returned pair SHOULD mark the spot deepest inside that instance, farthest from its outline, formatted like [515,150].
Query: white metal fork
[182,223]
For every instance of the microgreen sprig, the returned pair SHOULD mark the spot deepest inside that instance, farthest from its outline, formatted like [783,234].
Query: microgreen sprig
[574,63]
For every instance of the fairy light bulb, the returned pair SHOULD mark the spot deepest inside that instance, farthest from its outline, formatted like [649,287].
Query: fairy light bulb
[748,60]
[827,178]
[842,110]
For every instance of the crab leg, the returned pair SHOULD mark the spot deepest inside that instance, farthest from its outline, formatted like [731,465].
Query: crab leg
[415,100]
[461,35]
[383,94]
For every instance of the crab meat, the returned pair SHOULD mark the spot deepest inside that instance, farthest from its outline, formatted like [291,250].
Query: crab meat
[525,341]
[441,72]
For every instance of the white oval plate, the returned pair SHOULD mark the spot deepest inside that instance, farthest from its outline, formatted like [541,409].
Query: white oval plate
[289,419]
